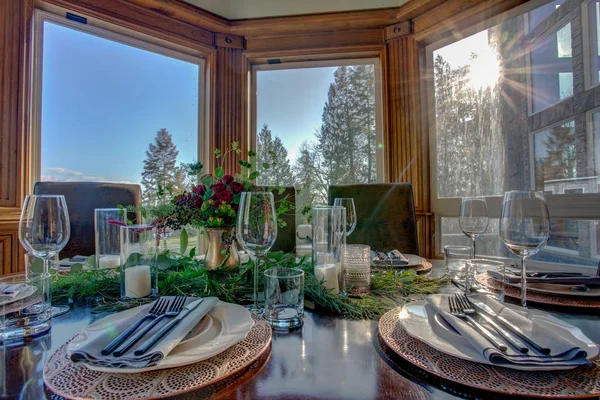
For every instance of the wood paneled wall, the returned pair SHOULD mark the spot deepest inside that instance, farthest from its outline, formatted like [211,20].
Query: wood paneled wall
[230,47]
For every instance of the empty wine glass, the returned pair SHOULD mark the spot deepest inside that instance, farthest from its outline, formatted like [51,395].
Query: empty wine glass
[348,203]
[44,230]
[524,228]
[473,217]
[256,230]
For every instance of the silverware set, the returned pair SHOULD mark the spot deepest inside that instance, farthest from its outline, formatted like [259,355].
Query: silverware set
[162,309]
[503,332]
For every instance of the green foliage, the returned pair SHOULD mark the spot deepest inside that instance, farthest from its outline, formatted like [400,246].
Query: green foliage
[187,276]
[183,241]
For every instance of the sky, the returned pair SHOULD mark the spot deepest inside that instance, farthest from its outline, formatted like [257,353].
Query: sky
[103,102]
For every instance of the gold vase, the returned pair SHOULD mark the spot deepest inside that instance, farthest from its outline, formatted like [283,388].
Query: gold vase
[217,242]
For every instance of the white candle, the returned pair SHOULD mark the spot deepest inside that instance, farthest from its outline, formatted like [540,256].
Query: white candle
[137,281]
[328,274]
[109,261]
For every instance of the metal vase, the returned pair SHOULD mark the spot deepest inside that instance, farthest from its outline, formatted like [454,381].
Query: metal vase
[218,240]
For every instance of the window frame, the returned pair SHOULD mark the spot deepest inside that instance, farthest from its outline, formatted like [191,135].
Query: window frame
[586,34]
[120,35]
[380,137]
[567,206]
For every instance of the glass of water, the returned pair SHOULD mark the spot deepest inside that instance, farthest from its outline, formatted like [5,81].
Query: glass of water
[456,261]
[284,297]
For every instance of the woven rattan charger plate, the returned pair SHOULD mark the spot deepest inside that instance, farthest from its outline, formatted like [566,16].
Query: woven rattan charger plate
[558,300]
[581,382]
[76,381]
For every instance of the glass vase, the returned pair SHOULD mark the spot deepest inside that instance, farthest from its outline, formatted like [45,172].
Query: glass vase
[329,241]
[107,228]
[138,262]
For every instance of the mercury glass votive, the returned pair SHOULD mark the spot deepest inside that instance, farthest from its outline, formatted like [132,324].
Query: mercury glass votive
[138,262]
[356,261]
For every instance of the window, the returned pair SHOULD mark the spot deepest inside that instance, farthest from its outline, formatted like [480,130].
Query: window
[591,21]
[111,106]
[485,140]
[319,125]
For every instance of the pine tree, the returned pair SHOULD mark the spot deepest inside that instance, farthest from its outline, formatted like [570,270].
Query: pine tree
[160,173]
[272,160]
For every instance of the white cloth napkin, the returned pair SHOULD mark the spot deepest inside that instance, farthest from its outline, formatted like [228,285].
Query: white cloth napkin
[392,259]
[89,350]
[563,352]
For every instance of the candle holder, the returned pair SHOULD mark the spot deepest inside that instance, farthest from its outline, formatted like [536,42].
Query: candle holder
[107,224]
[328,242]
[138,262]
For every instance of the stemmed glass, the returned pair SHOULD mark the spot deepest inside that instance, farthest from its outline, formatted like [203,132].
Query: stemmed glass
[44,230]
[473,217]
[524,228]
[348,203]
[256,230]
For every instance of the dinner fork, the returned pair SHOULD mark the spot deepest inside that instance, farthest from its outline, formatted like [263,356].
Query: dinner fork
[174,309]
[467,308]
[456,311]
[159,307]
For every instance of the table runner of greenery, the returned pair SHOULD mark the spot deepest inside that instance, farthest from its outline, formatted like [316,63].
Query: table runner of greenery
[187,276]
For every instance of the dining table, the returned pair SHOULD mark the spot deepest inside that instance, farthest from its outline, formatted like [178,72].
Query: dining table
[329,357]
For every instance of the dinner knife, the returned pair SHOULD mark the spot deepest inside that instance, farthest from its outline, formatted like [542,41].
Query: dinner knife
[513,328]
[167,328]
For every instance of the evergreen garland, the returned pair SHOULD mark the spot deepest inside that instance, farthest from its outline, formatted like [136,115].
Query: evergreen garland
[187,276]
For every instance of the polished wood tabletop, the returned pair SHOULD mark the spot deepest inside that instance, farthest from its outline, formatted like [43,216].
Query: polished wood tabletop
[328,358]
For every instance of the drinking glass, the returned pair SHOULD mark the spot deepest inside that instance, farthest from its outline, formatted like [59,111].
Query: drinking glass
[475,266]
[524,228]
[284,297]
[473,217]
[455,261]
[356,259]
[348,203]
[44,230]
[256,230]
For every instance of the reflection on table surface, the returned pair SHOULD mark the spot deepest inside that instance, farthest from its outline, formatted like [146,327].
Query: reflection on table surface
[328,357]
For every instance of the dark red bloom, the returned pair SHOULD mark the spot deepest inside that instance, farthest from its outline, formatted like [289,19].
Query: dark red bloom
[236,187]
[225,196]
[197,201]
[218,187]
[200,190]
[226,179]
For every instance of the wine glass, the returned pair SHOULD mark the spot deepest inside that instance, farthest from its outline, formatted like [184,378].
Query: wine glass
[44,230]
[524,227]
[473,217]
[348,203]
[256,230]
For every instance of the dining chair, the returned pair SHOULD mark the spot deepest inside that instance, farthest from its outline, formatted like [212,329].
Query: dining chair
[385,215]
[82,198]
[286,236]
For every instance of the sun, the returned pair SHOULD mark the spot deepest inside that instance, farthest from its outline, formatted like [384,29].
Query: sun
[484,70]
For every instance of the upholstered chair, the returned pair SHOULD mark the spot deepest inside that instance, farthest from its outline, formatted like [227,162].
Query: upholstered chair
[82,198]
[385,214]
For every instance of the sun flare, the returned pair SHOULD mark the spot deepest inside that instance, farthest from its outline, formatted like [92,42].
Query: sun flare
[484,70]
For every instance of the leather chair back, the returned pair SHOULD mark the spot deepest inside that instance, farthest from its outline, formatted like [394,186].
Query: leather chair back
[82,198]
[385,214]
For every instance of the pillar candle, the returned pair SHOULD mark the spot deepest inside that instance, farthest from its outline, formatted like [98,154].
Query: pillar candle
[109,261]
[328,274]
[138,281]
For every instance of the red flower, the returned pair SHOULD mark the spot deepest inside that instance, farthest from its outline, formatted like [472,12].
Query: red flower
[200,190]
[226,179]
[198,202]
[225,196]
[218,187]
[236,187]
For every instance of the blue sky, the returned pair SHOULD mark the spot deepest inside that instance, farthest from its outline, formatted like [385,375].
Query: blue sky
[103,101]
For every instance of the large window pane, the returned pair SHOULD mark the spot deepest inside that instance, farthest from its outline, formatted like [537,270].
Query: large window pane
[575,242]
[593,11]
[104,103]
[318,127]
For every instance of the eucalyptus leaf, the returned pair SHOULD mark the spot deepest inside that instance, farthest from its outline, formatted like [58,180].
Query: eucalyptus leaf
[183,241]
[219,172]
[133,259]
[193,252]
[90,262]
[76,268]
[163,262]
[254,175]
[266,165]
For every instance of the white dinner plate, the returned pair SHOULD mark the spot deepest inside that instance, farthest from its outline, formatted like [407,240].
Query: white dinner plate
[20,296]
[230,323]
[421,321]
[554,289]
